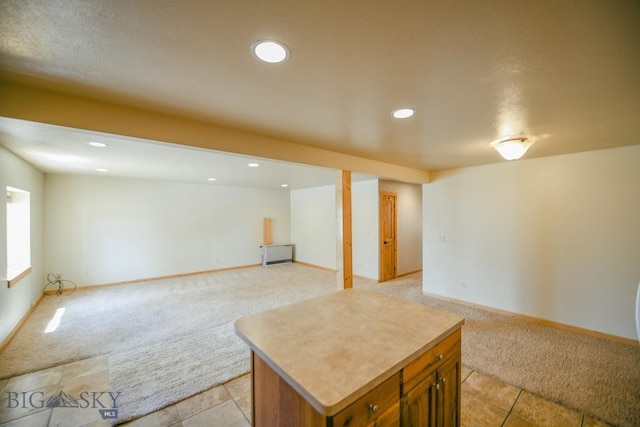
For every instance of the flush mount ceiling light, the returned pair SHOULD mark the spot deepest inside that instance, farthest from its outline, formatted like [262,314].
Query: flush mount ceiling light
[270,51]
[512,147]
[211,179]
[253,165]
[403,113]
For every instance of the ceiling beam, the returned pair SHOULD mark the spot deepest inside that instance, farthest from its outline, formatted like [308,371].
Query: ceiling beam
[43,104]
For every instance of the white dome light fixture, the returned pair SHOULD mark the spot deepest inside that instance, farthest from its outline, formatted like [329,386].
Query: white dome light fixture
[270,51]
[403,113]
[512,147]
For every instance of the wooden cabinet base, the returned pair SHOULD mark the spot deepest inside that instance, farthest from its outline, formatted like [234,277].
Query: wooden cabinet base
[424,393]
[276,403]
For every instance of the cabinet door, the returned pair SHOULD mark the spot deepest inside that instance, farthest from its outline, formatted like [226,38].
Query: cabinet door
[391,418]
[448,394]
[419,404]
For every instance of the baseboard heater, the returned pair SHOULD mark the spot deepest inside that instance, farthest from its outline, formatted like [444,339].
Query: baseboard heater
[276,254]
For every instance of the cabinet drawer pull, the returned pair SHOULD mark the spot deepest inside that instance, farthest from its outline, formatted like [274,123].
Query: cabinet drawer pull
[373,408]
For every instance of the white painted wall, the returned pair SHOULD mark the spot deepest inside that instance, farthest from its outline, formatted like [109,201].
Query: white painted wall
[313,225]
[365,220]
[409,210]
[556,238]
[105,230]
[16,301]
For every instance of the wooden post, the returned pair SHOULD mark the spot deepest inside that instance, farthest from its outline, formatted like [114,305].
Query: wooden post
[344,261]
[266,230]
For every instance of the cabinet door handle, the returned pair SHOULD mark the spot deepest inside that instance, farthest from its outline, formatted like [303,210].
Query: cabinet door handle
[373,408]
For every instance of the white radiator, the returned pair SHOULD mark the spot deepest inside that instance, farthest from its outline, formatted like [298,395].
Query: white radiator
[276,254]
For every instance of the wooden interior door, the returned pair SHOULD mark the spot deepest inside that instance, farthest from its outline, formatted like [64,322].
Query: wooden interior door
[388,235]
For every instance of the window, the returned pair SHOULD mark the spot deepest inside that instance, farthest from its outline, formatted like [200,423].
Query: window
[18,232]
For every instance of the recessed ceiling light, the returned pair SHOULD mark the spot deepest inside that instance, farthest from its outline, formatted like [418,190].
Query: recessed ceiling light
[97,144]
[284,185]
[253,165]
[211,179]
[102,170]
[270,51]
[403,113]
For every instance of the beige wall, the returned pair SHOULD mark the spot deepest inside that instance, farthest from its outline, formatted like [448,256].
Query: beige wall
[103,230]
[409,231]
[365,218]
[313,226]
[16,301]
[556,238]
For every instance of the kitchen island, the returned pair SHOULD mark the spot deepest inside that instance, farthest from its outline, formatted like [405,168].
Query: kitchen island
[355,358]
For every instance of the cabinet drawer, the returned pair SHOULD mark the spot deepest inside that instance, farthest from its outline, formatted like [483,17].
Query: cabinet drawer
[371,406]
[415,372]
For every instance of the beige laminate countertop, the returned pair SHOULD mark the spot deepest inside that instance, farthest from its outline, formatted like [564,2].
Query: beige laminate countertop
[335,348]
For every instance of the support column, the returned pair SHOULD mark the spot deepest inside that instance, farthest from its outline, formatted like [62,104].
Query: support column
[344,261]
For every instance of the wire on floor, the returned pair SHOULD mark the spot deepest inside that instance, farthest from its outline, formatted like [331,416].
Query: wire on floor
[56,284]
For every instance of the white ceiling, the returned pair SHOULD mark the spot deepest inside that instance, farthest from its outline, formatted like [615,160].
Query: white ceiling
[57,149]
[565,72]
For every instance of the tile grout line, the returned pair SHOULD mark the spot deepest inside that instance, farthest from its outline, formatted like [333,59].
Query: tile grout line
[235,401]
[512,406]
[182,419]
[240,409]
[58,388]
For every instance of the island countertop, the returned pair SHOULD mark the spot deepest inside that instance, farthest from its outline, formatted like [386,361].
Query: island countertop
[335,348]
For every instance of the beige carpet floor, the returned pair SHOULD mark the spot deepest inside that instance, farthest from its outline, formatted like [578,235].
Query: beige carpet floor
[170,339]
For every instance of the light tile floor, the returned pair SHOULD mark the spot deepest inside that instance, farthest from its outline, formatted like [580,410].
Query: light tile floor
[485,402]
